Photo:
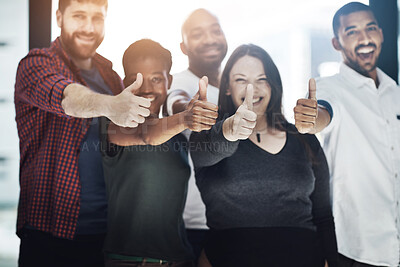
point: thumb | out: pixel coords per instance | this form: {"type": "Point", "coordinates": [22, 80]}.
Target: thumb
{"type": "Point", "coordinates": [312, 89]}
{"type": "Point", "coordinates": [248, 100]}
{"type": "Point", "coordinates": [203, 88]}
{"type": "Point", "coordinates": [137, 84]}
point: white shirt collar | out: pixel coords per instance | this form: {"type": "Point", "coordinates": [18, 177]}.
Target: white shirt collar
{"type": "Point", "coordinates": [359, 81]}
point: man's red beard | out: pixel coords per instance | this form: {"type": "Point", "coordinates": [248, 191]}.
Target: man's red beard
{"type": "Point", "coordinates": [80, 51]}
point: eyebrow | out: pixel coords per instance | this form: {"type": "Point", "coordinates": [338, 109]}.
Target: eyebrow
{"type": "Point", "coordinates": [84, 13]}
{"type": "Point", "coordinates": [201, 28]}
{"type": "Point", "coordinates": [353, 27]}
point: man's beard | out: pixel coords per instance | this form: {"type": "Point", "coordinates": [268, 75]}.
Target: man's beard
{"type": "Point", "coordinates": [363, 70]}
{"type": "Point", "coordinates": [76, 51]}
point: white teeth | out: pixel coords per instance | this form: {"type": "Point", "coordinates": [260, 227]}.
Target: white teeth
{"type": "Point", "coordinates": [365, 50]}
{"type": "Point", "coordinates": [151, 98]}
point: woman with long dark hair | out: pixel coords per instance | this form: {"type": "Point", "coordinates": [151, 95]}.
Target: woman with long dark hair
{"type": "Point", "coordinates": [265, 186]}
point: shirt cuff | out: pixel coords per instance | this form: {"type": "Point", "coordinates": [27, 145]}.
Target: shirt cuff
{"type": "Point", "coordinates": [327, 106]}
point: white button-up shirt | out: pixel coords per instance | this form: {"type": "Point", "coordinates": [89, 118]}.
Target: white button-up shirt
{"type": "Point", "coordinates": [362, 146]}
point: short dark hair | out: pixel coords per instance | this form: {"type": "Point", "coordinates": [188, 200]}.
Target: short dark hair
{"type": "Point", "coordinates": [348, 9]}
{"type": "Point", "coordinates": [275, 117]}
{"type": "Point", "coordinates": [62, 4]}
{"type": "Point", "coordinates": [147, 48]}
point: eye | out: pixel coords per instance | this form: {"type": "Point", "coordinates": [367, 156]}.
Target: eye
{"type": "Point", "coordinates": [217, 32]}
{"type": "Point", "coordinates": [98, 19]}
{"type": "Point", "coordinates": [196, 35]}
{"type": "Point", "coordinates": [156, 80]}
{"type": "Point", "coordinates": [262, 81]}
{"type": "Point", "coordinates": [351, 33]}
{"type": "Point", "coordinates": [372, 28]}
{"type": "Point", "coordinates": [79, 16]}
{"type": "Point", "coordinates": [240, 80]}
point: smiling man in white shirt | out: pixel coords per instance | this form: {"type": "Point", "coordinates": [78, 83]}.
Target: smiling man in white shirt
{"type": "Point", "coordinates": [358, 116]}
{"type": "Point", "coordinates": [204, 43]}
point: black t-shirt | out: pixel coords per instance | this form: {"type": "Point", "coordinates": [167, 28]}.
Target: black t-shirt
{"type": "Point", "coordinates": [146, 189]}
{"type": "Point", "coordinates": [93, 206]}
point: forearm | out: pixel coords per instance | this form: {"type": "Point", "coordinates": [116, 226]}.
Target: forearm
{"type": "Point", "coordinates": [152, 132]}
{"type": "Point", "coordinates": [322, 120]}
{"type": "Point", "coordinates": [81, 102]}
{"type": "Point", "coordinates": [158, 131]}
{"type": "Point", "coordinates": [210, 147]}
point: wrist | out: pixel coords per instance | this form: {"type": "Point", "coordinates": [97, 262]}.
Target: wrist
{"type": "Point", "coordinates": [183, 117]}
{"type": "Point", "coordinates": [227, 129]}
{"type": "Point", "coordinates": [104, 104]}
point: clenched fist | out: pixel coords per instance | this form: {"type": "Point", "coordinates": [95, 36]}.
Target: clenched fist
{"type": "Point", "coordinates": [200, 114]}
{"type": "Point", "coordinates": [306, 110]}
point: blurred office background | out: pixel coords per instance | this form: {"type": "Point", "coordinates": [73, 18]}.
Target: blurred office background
{"type": "Point", "coordinates": [297, 34]}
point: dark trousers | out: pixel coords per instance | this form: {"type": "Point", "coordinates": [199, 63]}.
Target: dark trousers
{"type": "Point", "coordinates": [38, 248]}
{"type": "Point", "coordinates": [123, 263]}
{"type": "Point", "coordinates": [347, 262]}
{"type": "Point", "coordinates": [196, 238]}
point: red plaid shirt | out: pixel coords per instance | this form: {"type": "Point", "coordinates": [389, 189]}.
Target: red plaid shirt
{"type": "Point", "coordinates": [50, 140]}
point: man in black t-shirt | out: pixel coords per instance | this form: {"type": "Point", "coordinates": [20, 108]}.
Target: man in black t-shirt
{"type": "Point", "coordinates": [146, 168]}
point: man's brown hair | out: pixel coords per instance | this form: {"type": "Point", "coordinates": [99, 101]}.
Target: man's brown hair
{"type": "Point", "coordinates": [62, 4]}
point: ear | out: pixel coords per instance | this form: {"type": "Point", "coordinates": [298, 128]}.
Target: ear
{"type": "Point", "coordinates": [59, 18]}
{"type": "Point", "coordinates": [183, 48]}
{"type": "Point", "coordinates": [380, 31]}
{"type": "Point", "coordinates": [228, 91]}
{"type": "Point", "coordinates": [170, 78]}
{"type": "Point", "coordinates": [336, 44]}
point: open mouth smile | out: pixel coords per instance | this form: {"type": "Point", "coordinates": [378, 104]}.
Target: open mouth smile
{"type": "Point", "coordinates": [256, 100]}
{"type": "Point", "coordinates": [365, 52]}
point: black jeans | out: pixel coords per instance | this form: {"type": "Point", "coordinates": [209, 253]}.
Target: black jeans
{"type": "Point", "coordinates": [347, 262]}
{"type": "Point", "coordinates": [196, 238]}
{"type": "Point", "coordinates": [38, 248]}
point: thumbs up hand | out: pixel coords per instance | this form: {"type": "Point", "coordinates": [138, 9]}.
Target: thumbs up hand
{"type": "Point", "coordinates": [200, 114]}
{"type": "Point", "coordinates": [240, 125]}
{"type": "Point", "coordinates": [306, 110]}
{"type": "Point", "coordinates": [127, 109]}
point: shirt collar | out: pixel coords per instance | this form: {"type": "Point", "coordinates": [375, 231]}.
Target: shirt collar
{"type": "Point", "coordinates": [359, 81]}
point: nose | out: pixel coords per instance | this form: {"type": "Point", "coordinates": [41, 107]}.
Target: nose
{"type": "Point", "coordinates": [146, 87]}
{"type": "Point", "coordinates": [364, 38]}
{"type": "Point", "coordinates": [209, 38]}
{"type": "Point", "coordinates": [88, 27]}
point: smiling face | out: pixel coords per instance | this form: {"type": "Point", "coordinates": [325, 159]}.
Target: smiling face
{"type": "Point", "coordinates": [82, 28]}
{"type": "Point", "coordinates": [156, 80]}
{"type": "Point", "coordinates": [247, 70]}
{"type": "Point", "coordinates": [203, 40]}
{"type": "Point", "coordinates": [360, 40]}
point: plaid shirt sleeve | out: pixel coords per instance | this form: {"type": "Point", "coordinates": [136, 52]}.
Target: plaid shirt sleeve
{"type": "Point", "coordinates": [40, 82]}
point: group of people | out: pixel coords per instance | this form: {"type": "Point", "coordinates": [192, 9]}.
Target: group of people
{"type": "Point", "coordinates": [202, 168]}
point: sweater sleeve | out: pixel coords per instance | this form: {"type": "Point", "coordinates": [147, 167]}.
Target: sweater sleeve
{"type": "Point", "coordinates": [322, 212]}
{"type": "Point", "coordinates": [207, 148]}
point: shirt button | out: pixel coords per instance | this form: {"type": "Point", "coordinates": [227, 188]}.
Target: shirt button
{"type": "Point", "coordinates": [395, 175]}
{"type": "Point", "coordinates": [392, 148]}
{"type": "Point", "coordinates": [387, 121]}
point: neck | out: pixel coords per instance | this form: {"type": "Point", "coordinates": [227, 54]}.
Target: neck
{"type": "Point", "coordinates": [369, 74]}
{"type": "Point", "coordinates": [261, 125]}
{"type": "Point", "coordinates": [211, 73]}
{"type": "Point", "coordinates": [374, 76]}
{"type": "Point", "coordinates": [83, 64]}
